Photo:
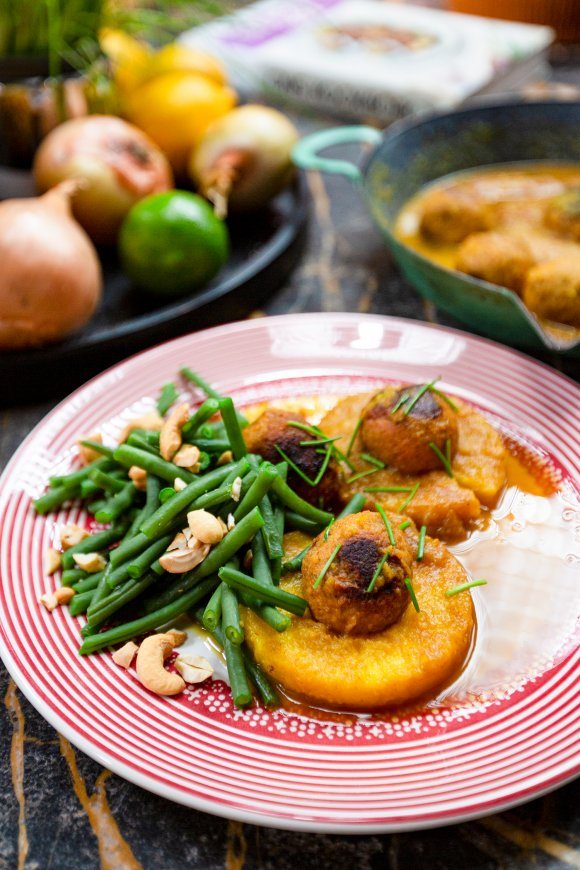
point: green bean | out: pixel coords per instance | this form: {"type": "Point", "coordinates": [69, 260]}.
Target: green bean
{"type": "Point", "coordinates": [294, 503]}
{"type": "Point", "coordinates": [151, 495]}
{"type": "Point", "coordinates": [212, 445]}
{"type": "Point", "coordinates": [71, 576]}
{"type": "Point", "coordinates": [240, 688]}
{"type": "Point", "coordinates": [142, 562]}
{"type": "Point", "coordinates": [256, 492]}
{"type": "Point", "coordinates": [76, 477]}
{"type": "Point", "coordinates": [89, 489]}
{"type": "Point", "coordinates": [168, 396]}
{"type": "Point", "coordinates": [269, 595]}
{"type": "Point", "coordinates": [107, 481]}
{"type": "Point", "coordinates": [203, 413]}
{"type": "Point", "coordinates": [295, 564]}
{"type": "Point", "coordinates": [354, 506]}
{"type": "Point", "coordinates": [118, 599]}
{"type": "Point", "coordinates": [213, 609]}
{"type": "Point", "coordinates": [102, 589]}
{"type": "Point", "coordinates": [196, 379]}
{"type": "Point", "coordinates": [270, 534]}
{"type": "Point", "coordinates": [166, 493]}
{"type": "Point", "coordinates": [80, 602]}
{"type": "Point", "coordinates": [117, 504]}
{"type": "Point", "coordinates": [261, 569]}
{"type": "Point", "coordinates": [159, 522]}
{"type": "Point", "coordinates": [231, 625]}
{"type": "Point", "coordinates": [95, 506]}
{"type": "Point", "coordinates": [151, 621]}
{"type": "Point", "coordinates": [141, 443]}
{"type": "Point", "coordinates": [129, 548]}
{"type": "Point", "coordinates": [91, 581]}
{"type": "Point", "coordinates": [271, 615]}
{"type": "Point", "coordinates": [127, 455]}
{"type": "Point", "coordinates": [94, 543]}
{"type": "Point", "coordinates": [299, 522]}
{"type": "Point", "coordinates": [234, 432]}
{"type": "Point", "coordinates": [218, 556]}
{"type": "Point", "coordinates": [134, 542]}
{"type": "Point", "coordinates": [98, 448]}
{"type": "Point", "coordinates": [55, 497]}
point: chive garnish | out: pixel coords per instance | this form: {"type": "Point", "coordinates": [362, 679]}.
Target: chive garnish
{"type": "Point", "coordinates": [362, 474]}
{"type": "Point", "coordinates": [368, 457]}
{"type": "Point", "coordinates": [295, 467]}
{"type": "Point", "coordinates": [442, 458]}
{"type": "Point", "coordinates": [409, 586]}
{"type": "Point", "coordinates": [318, 442]}
{"type": "Point", "coordinates": [404, 397]}
{"type": "Point", "coordinates": [328, 528]}
{"type": "Point", "coordinates": [389, 489]}
{"type": "Point", "coordinates": [379, 568]}
{"type": "Point", "coordinates": [306, 427]}
{"type": "Point", "coordinates": [322, 574]}
{"type": "Point", "coordinates": [379, 508]}
{"type": "Point", "coordinates": [420, 392]}
{"type": "Point", "coordinates": [405, 525]}
{"type": "Point", "coordinates": [355, 432]}
{"type": "Point", "coordinates": [445, 398]}
{"type": "Point", "coordinates": [409, 498]}
{"type": "Point", "coordinates": [464, 587]}
{"type": "Point", "coordinates": [421, 543]}
{"type": "Point", "coordinates": [342, 458]}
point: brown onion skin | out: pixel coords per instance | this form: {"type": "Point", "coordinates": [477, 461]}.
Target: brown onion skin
{"type": "Point", "coordinates": [50, 280]}
{"type": "Point", "coordinates": [118, 164]}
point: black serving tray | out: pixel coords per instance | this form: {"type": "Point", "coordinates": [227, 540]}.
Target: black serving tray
{"type": "Point", "coordinates": [265, 247]}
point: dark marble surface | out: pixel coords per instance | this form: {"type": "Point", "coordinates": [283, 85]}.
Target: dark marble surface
{"type": "Point", "coordinates": [61, 811]}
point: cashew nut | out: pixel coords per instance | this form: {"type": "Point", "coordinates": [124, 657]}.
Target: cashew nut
{"type": "Point", "coordinates": [125, 654]}
{"type": "Point", "coordinates": [150, 670]}
{"type": "Point", "coordinates": [90, 562]}
{"type": "Point", "coordinates": [193, 669]}
{"type": "Point", "coordinates": [179, 637]}
{"type": "Point", "coordinates": [48, 600]}
{"type": "Point", "coordinates": [170, 437]}
{"type": "Point", "coordinates": [139, 477]}
{"type": "Point", "coordinates": [179, 484]}
{"type": "Point", "coordinates": [205, 527]}
{"type": "Point", "coordinates": [150, 420]}
{"type": "Point", "coordinates": [87, 454]}
{"type": "Point", "coordinates": [225, 457]}
{"type": "Point", "coordinates": [179, 561]}
{"type": "Point", "coordinates": [237, 489]}
{"type": "Point", "coordinates": [71, 535]}
{"type": "Point", "coordinates": [52, 560]}
{"type": "Point", "coordinates": [64, 595]}
{"type": "Point", "coordinates": [188, 457]}
{"type": "Point", "coordinates": [231, 522]}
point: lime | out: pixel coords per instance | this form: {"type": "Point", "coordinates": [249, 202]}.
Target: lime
{"type": "Point", "coordinates": [172, 243]}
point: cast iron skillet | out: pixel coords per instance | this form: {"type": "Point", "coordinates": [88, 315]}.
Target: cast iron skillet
{"type": "Point", "coordinates": [417, 151]}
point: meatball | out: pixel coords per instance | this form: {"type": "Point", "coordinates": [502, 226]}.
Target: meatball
{"type": "Point", "coordinates": [401, 437]}
{"type": "Point", "coordinates": [552, 290]}
{"type": "Point", "coordinates": [271, 431]}
{"type": "Point", "coordinates": [449, 216]}
{"type": "Point", "coordinates": [499, 259]}
{"type": "Point", "coordinates": [341, 600]}
{"type": "Point", "coordinates": [563, 214]}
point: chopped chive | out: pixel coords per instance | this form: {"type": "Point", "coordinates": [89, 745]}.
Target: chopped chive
{"type": "Point", "coordinates": [379, 508]}
{"type": "Point", "coordinates": [420, 392]}
{"type": "Point", "coordinates": [322, 574]}
{"type": "Point", "coordinates": [389, 489]}
{"type": "Point", "coordinates": [404, 397]}
{"type": "Point", "coordinates": [323, 467]}
{"type": "Point", "coordinates": [445, 398]}
{"type": "Point", "coordinates": [405, 525]}
{"type": "Point", "coordinates": [421, 543]}
{"type": "Point", "coordinates": [328, 528]}
{"type": "Point", "coordinates": [448, 450]}
{"type": "Point", "coordinates": [318, 442]}
{"type": "Point", "coordinates": [464, 587]}
{"type": "Point", "coordinates": [341, 457]}
{"type": "Point", "coordinates": [368, 457]}
{"type": "Point", "coordinates": [355, 432]}
{"type": "Point", "coordinates": [379, 568]}
{"type": "Point", "coordinates": [360, 474]}
{"type": "Point", "coordinates": [409, 586]}
{"type": "Point", "coordinates": [442, 458]}
{"type": "Point", "coordinates": [294, 467]}
{"type": "Point", "coordinates": [409, 498]}
{"type": "Point", "coordinates": [306, 427]}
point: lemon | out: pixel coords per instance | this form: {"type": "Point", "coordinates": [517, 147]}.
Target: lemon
{"type": "Point", "coordinates": [130, 58]}
{"type": "Point", "coordinates": [175, 109]}
{"type": "Point", "coordinates": [178, 58]}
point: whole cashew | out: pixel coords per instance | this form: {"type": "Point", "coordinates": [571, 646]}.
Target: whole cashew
{"type": "Point", "coordinates": [150, 670]}
{"type": "Point", "coordinates": [170, 435]}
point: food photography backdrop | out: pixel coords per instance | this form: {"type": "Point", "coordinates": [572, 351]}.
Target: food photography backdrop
{"type": "Point", "coordinates": [311, 247]}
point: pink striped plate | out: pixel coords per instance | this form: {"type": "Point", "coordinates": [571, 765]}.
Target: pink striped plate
{"type": "Point", "coordinates": [505, 732]}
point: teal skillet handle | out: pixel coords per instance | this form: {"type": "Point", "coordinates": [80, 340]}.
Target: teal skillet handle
{"type": "Point", "coordinates": [305, 153]}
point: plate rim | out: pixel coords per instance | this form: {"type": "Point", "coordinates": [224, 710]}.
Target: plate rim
{"type": "Point", "coordinates": [203, 804]}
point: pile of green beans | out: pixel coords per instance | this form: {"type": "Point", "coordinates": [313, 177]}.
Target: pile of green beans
{"type": "Point", "coordinates": [133, 594]}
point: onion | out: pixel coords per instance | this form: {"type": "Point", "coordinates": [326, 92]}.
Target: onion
{"type": "Point", "coordinates": [244, 158]}
{"type": "Point", "coordinates": [118, 163]}
{"type": "Point", "coordinates": [50, 280]}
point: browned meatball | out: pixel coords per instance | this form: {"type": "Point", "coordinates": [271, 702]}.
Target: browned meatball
{"type": "Point", "coordinates": [497, 258]}
{"type": "Point", "coordinates": [552, 290]}
{"type": "Point", "coordinates": [271, 431]}
{"type": "Point", "coordinates": [399, 432]}
{"type": "Point", "coordinates": [341, 600]}
{"type": "Point", "coordinates": [563, 214]}
{"type": "Point", "coordinates": [449, 216]}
